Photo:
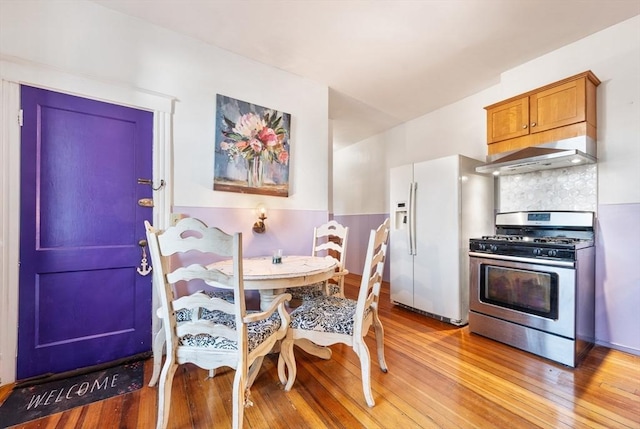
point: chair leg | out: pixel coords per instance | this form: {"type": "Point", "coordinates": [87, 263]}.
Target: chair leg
{"type": "Point", "coordinates": [365, 367]}
{"type": "Point", "coordinates": [240, 391]}
{"type": "Point", "coordinates": [253, 370]}
{"type": "Point", "coordinates": [379, 331]}
{"type": "Point", "coordinates": [282, 368]}
{"type": "Point", "coordinates": [287, 358]}
{"type": "Point", "coordinates": [158, 346]}
{"type": "Point", "coordinates": [164, 392]}
{"type": "Point", "coordinates": [341, 286]}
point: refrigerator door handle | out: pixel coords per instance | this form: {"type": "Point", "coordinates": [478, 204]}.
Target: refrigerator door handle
{"type": "Point", "coordinates": [408, 229]}
{"type": "Point", "coordinates": [412, 218]}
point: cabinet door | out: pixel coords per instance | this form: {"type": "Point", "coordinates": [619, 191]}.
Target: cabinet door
{"type": "Point", "coordinates": [508, 120]}
{"type": "Point", "coordinates": [558, 106]}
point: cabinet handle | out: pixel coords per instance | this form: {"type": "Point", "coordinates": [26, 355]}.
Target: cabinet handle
{"type": "Point", "coordinates": [533, 124]}
{"type": "Point", "coordinates": [524, 127]}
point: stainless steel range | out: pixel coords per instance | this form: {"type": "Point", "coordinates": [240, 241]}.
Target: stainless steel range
{"type": "Point", "coordinates": [532, 284]}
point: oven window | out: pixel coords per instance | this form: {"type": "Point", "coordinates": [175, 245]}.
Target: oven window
{"type": "Point", "coordinates": [533, 292]}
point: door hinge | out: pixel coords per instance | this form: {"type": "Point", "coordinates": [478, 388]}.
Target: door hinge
{"type": "Point", "coordinates": [20, 117]}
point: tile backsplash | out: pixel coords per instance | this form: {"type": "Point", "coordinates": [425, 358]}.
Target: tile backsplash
{"type": "Point", "coordinates": [572, 188]}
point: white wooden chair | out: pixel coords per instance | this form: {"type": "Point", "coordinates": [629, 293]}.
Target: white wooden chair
{"type": "Point", "coordinates": [328, 320]}
{"type": "Point", "coordinates": [160, 338]}
{"type": "Point", "coordinates": [329, 239]}
{"type": "Point", "coordinates": [209, 332]}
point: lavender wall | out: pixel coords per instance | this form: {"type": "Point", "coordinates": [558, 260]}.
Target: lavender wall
{"type": "Point", "coordinates": [289, 230]}
{"type": "Point", "coordinates": [618, 276]}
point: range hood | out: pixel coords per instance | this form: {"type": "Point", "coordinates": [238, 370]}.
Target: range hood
{"type": "Point", "coordinates": [565, 153]}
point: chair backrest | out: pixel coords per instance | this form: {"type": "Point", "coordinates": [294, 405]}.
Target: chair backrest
{"type": "Point", "coordinates": [193, 235]}
{"type": "Point", "coordinates": [369, 293]}
{"type": "Point", "coordinates": [330, 239]}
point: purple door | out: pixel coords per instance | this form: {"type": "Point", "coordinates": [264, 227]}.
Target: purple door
{"type": "Point", "coordinates": [81, 300]}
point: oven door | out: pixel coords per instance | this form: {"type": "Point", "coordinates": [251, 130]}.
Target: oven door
{"type": "Point", "coordinates": [530, 292]}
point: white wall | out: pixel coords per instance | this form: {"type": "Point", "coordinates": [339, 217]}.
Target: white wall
{"type": "Point", "coordinates": [82, 48]}
{"type": "Point", "coordinates": [360, 177]}
{"type": "Point", "coordinates": [87, 39]}
{"type": "Point", "coordinates": [614, 56]}
{"type": "Point", "coordinates": [457, 128]}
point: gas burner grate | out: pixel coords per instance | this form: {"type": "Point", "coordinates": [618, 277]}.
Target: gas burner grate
{"type": "Point", "coordinates": [557, 240]}
{"type": "Point", "coordinates": [503, 237]}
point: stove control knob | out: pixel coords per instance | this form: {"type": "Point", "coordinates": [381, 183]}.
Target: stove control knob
{"type": "Point", "coordinates": [552, 252]}
{"type": "Point", "coordinates": [482, 246]}
{"type": "Point", "coordinates": [537, 252]}
{"type": "Point", "coordinates": [493, 248]}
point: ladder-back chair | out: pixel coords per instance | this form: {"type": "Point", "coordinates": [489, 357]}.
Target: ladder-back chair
{"type": "Point", "coordinates": [329, 239]}
{"type": "Point", "coordinates": [327, 320]}
{"type": "Point", "coordinates": [209, 332]}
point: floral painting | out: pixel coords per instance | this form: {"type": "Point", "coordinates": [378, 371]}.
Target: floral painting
{"type": "Point", "coordinates": [251, 148]}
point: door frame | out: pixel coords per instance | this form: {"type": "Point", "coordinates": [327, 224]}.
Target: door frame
{"type": "Point", "coordinates": [13, 73]}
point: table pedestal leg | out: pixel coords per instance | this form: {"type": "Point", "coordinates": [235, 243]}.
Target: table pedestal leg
{"type": "Point", "coordinates": [267, 296]}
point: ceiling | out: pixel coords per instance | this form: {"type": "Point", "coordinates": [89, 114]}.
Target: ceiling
{"type": "Point", "coordinates": [385, 61]}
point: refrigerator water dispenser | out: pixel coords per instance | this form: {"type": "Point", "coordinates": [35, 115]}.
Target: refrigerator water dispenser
{"type": "Point", "coordinates": [400, 218]}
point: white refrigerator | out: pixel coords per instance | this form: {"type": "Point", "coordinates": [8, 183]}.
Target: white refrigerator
{"type": "Point", "coordinates": [436, 207]}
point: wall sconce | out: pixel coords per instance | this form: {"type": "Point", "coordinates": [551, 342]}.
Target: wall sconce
{"type": "Point", "coordinates": [259, 226]}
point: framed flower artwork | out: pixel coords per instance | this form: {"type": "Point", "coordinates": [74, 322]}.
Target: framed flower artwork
{"type": "Point", "coordinates": [251, 148]}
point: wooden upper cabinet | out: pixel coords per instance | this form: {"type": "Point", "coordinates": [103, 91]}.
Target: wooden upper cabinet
{"type": "Point", "coordinates": [558, 106]}
{"type": "Point", "coordinates": [557, 111]}
{"type": "Point", "coordinates": [508, 120]}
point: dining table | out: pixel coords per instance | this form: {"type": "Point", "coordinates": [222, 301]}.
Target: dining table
{"type": "Point", "coordinates": [271, 279]}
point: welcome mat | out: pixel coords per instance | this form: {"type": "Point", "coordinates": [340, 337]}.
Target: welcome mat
{"type": "Point", "coordinates": [34, 402]}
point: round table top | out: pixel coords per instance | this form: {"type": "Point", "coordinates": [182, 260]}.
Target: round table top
{"type": "Point", "coordinates": [293, 271]}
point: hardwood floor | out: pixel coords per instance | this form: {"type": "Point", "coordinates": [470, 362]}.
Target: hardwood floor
{"type": "Point", "coordinates": [439, 377]}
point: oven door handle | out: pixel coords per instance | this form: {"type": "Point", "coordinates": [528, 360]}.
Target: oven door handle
{"type": "Point", "coordinates": [569, 264]}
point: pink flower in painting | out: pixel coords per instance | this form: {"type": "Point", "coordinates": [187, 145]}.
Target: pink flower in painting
{"type": "Point", "coordinates": [254, 136]}
{"type": "Point", "coordinates": [256, 145]}
{"type": "Point", "coordinates": [283, 157]}
{"type": "Point", "coordinates": [268, 136]}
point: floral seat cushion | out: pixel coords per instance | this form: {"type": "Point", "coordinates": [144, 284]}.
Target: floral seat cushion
{"type": "Point", "coordinates": [304, 293]}
{"type": "Point", "coordinates": [184, 314]}
{"type": "Point", "coordinates": [334, 289]}
{"type": "Point", "coordinates": [326, 314]}
{"type": "Point", "coordinates": [227, 295]}
{"type": "Point", "coordinates": [257, 332]}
